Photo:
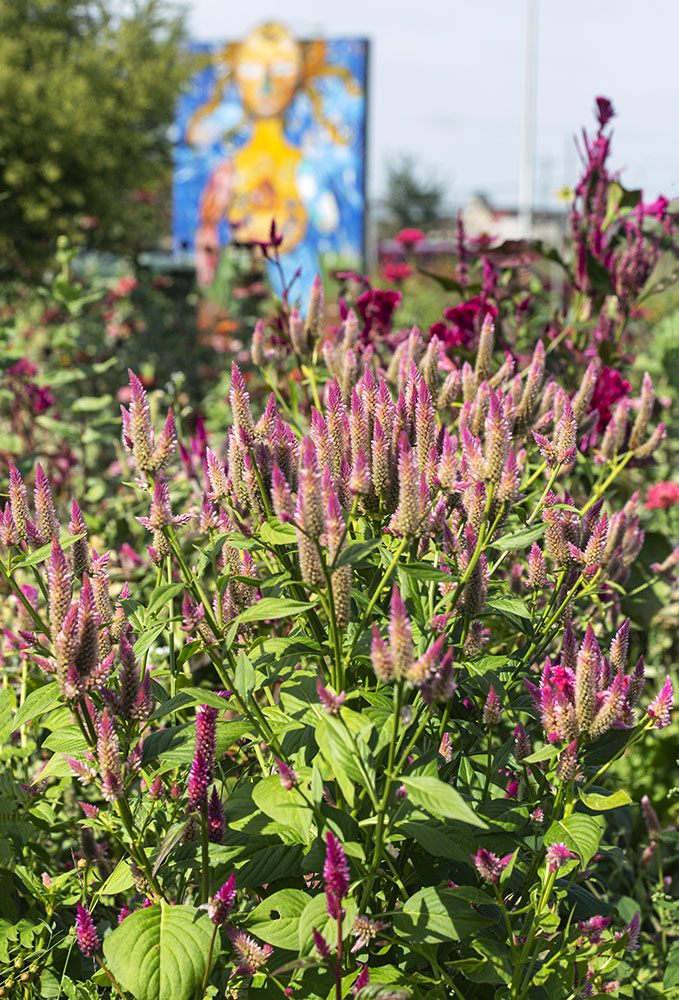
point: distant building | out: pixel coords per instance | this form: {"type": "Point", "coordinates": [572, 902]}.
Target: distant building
{"type": "Point", "coordinates": [500, 224]}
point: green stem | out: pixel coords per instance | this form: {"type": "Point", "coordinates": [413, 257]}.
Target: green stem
{"type": "Point", "coordinates": [203, 985]}
{"type": "Point", "coordinates": [376, 594]}
{"type": "Point", "coordinates": [204, 853]}
{"type": "Point", "coordinates": [389, 779]}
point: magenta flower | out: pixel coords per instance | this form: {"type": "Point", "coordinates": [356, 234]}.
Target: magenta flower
{"type": "Point", "coordinates": [330, 702]}
{"type": "Point", "coordinates": [85, 933]}
{"type": "Point", "coordinates": [199, 781]}
{"type": "Point", "coordinates": [221, 904]}
{"type": "Point", "coordinates": [660, 708]}
{"type": "Point", "coordinates": [206, 722]}
{"type": "Point", "coordinates": [215, 819]}
{"type": "Point", "coordinates": [489, 866]}
{"type": "Point", "coordinates": [335, 875]}
{"type": "Point", "coordinates": [604, 111]}
{"type": "Point", "coordinates": [557, 855]}
{"type": "Point", "coordinates": [289, 778]}
{"type": "Point", "coordinates": [492, 710]}
{"type": "Point", "coordinates": [593, 928]}
{"type": "Point", "coordinates": [322, 946]}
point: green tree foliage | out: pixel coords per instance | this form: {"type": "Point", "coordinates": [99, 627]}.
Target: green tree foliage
{"type": "Point", "coordinates": [412, 200]}
{"type": "Point", "coordinates": [87, 95]}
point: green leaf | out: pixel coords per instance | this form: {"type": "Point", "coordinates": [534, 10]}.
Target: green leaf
{"type": "Point", "coordinates": [439, 839]}
{"type": "Point", "coordinates": [268, 609]}
{"type": "Point", "coordinates": [68, 740]}
{"type": "Point", "coordinates": [45, 551]}
{"type": "Point", "coordinates": [147, 639]}
{"type": "Point", "coordinates": [671, 978]}
{"type": "Point", "coordinates": [441, 799]}
{"type": "Point", "coordinates": [436, 916]}
{"type": "Point", "coordinates": [91, 404]}
{"type": "Point", "coordinates": [163, 595]}
{"type": "Point", "coordinates": [579, 832]}
{"type": "Point", "coordinates": [244, 677]}
{"type": "Point", "coordinates": [355, 552]}
{"type": "Point", "coordinates": [601, 801]}
{"type": "Point", "coordinates": [161, 952]}
{"type": "Point", "coordinates": [119, 880]}
{"type": "Point", "coordinates": [276, 919]}
{"type": "Point", "coordinates": [272, 532]}
{"type": "Point", "coordinates": [619, 197]}
{"type": "Point", "coordinates": [36, 703]}
{"type": "Point", "coordinates": [521, 540]}
{"type": "Point", "coordinates": [316, 915]}
{"type": "Point", "coordinates": [508, 605]}
{"type": "Point", "coordinates": [269, 863]}
{"type": "Point", "coordinates": [285, 806]}
{"type": "Point", "coordinates": [6, 725]}
{"type": "Point", "coordinates": [426, 572]}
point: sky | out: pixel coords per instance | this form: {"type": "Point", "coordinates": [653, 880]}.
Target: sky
{"type": "Point", "coordinates": [447, 84]}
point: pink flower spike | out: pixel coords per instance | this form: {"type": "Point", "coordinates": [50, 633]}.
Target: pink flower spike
{"type": "Point", "coordinates": [330, 702]}
{"type": "Point", "coordinates": [322, 946]}
{"type": "Point", "coordinates": [335, 875]}
{"type": "Point", "coordinates": [492, 710]}
{"type": "Point", "coordinates": [289, 778]}
{"type": "Point", "coordinates": [85, 933]}
{"type": "Point", "coordinates": [221, 904]}
{"type": "Point", "coordinates": [250, 955]}
{"type": "Point", "coordinates": [489, 865]}
{"type": "Point", "coordinates": [661, 707]}
{"type": "Point", "coordinates": [557, 855]}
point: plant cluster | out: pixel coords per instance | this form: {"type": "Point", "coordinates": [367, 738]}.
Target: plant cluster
{"type": "Point", "coordinates": [341, 704]}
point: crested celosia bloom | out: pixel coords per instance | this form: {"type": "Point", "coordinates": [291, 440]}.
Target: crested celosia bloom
{"type": "Point", "coordinates": [489, 866]}
{"type": "Point", "coordinates": [85, 933]}
{"type": "Point", "coordinates": [221, 904]}
{"type": "Point", "coordinates": [557, 855]}
{"type": "Point", "coordinates": [335, 875]}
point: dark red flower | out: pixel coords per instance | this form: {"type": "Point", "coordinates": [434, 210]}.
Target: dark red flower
{"type": "Point", "coordinates": [604, 111]}
{"type": "Point", "coordinates": [610, 387]}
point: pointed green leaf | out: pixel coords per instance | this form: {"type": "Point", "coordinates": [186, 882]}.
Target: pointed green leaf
{"type": "Point", "coordinates": [161, 952]}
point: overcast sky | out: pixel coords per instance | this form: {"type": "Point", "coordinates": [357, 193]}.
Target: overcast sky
{"type": "Point", "coordinates": [447, 83]}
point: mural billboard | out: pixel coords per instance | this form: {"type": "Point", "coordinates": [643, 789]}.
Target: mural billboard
{"type": "Point", "coordinates": [273, 128]}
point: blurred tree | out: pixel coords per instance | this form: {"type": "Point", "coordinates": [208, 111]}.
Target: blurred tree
{"type": "Point", "coordinates": [411, 200]}
{"type": "Point", "coordinates": [87, 96]}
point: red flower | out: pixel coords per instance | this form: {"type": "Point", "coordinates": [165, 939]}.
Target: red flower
{"type": "Point", "coordinates": [662, 495]}
{"type": "Point", "coordinates": [397, 271]}
{"type": "Point", "coordinates": [408, 237]}
{"type": "Point", "coordinates": [604, 110]}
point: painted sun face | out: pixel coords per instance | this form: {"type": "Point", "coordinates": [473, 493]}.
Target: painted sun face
{"type": "Point", "coordinates": [268, 70]}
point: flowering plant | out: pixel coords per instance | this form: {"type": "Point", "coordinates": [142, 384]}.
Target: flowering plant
{"type": "Point", "coordinates": [347, 733]}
